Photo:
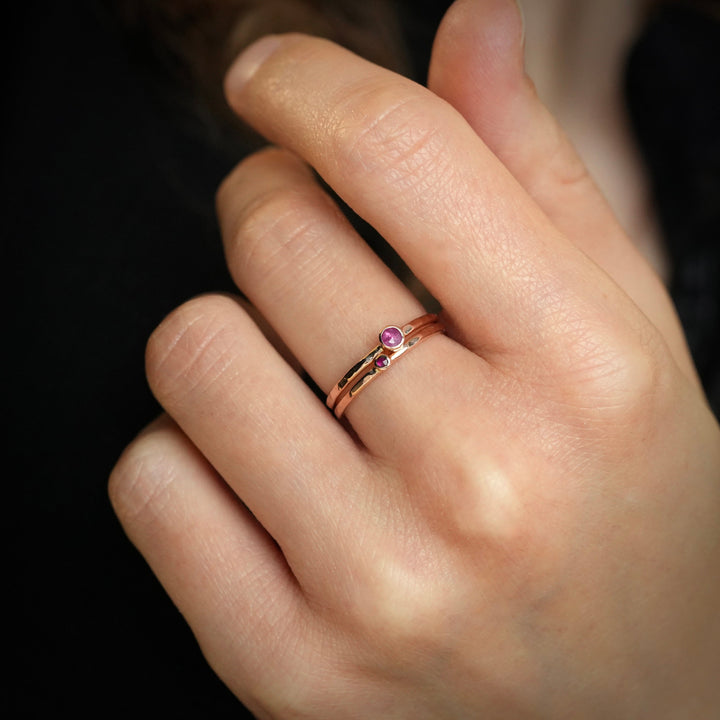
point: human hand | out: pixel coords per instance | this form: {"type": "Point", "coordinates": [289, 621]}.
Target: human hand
{"type": "Point", "coordinates": [525, 520]}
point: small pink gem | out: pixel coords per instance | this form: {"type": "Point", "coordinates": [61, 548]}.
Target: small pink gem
{"type": "Point", "coordinates": [382, 361]}
{"type": "Point", "coordinates": [392, 337]}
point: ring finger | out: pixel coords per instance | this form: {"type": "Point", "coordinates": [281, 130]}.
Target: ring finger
{"type": "Point", "coordinates": [296, 257]}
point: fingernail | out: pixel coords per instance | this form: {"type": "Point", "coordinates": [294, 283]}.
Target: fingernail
{"type": "Point", "coordinates": [250, 60]}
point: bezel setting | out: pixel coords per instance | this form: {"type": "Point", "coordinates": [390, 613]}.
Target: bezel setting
{"type": "Point", "coordinates": [392, 338]}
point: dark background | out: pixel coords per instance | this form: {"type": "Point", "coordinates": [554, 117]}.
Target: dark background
{"type": "Point", "coordinates": [108, 176]}
{"type": "Point", "coordinates": [109, 171]}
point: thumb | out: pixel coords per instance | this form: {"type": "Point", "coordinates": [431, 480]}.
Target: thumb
{"type": "Point", "coordinates": [478, 66]}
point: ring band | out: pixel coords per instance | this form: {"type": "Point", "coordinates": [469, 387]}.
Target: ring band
{"type": "Point", "coordinates": [368, 359]}
{"type": "Point", "coordinates": [395, 341]}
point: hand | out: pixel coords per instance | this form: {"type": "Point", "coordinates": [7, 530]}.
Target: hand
{"type": "Point", "coordinates": [522, 518]}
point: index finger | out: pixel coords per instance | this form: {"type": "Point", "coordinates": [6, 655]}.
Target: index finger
{"type": "Point", "coordinates": [408, 163]}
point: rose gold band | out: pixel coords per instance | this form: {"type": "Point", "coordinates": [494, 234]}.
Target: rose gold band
{"type": "Point", "coordinates": [394, 342]}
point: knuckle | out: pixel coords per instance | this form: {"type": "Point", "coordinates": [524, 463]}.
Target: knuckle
{"type": "Point", "coordinates": [244, 175]}
{"type": "Point", "coordinates": [238, 177]}
{"type": "Point", "coordinates": [391, 129]}
{"type": "Point", "coordinates": [275, 231]}
{"type": "Point", "coordinates": [620, 377]}
{"type": "Point", "coordinates": [601, 363]}
{"type": "Point", "coordinates": [482, 503]}
{"type": "Point", "coordinates": [609, 389]}
{"type": "Point", "coordinates": [563, 164]}
{"type": "Point", "coordinates": [556, 163]}
{"type": "Point", "coordinates": [191, 349]}
{"type": "Point", "coordinates": [399, 606]}
{"type": "Point", "coordinates": [473, 496]}
{"type": "Point", "coordinates": [639, 373]}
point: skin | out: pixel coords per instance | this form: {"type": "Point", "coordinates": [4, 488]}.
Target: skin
{"type": "Point", "coordinates": [519, 520]}
{"type": "Point", "coordinates": [575, 52]}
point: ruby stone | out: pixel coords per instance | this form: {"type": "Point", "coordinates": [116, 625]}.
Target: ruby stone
{"type": "Point", "coordinates": [392, 337]}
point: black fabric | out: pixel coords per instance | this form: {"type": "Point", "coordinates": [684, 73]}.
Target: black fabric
{"type": "Point", "coordinates": [108, 177]}
{"type": "Point", "coordinates": [108, 183]}
{"type": "Point", "coordinates": [673, 91]}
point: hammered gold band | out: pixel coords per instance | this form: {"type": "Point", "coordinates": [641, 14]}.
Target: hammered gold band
{"type": "Point", "coordinates": [395, 341]}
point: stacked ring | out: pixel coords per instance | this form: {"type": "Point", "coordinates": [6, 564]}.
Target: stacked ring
{"type": "Point", "coordinates": [394, 342]}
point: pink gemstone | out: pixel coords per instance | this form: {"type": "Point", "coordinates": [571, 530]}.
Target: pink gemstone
{"type": "Point", "coordinates": [391, 337]}
{"type": "Point", "coordinates": [382, 361]}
